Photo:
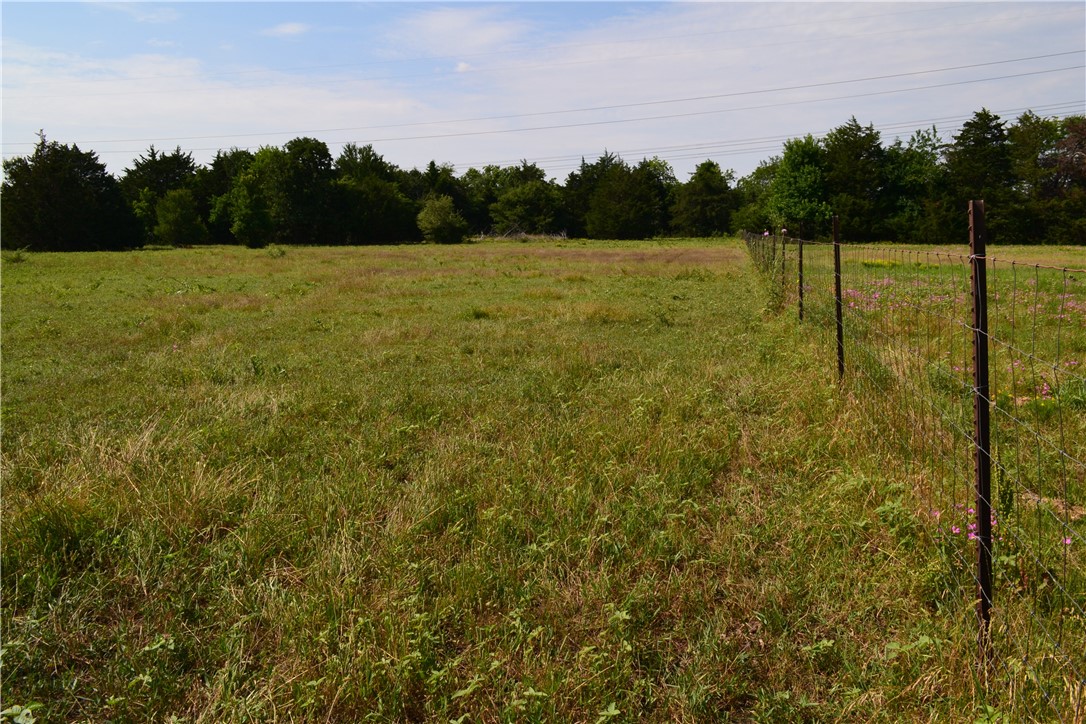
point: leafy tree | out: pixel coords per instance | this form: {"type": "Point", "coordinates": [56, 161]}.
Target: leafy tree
{"type": "Point", "coordinates": [1070, 163]}
{"type": "Point", "coordinates": [211, 188]}
{"type": "Point", "coordinates": [371, 208]}
{"type": "Point", "coordinates": [580, 187]}
{"type": "Point", "coordinates": [435, 180]}
{"type": "Point", "coordinates": [979, 160]}
{"type": "Point", "coordinates": [703, 204]}
{"type": "Point", "coordinates": [1032, 147]}
{"type": "Point", "coordinates": [284, 195]}
{"type": "Point", "coordinates": [978, 166]}
{"type": "Point", "coordinates": [630, 203]}
{"type": "Point", "coordinates": [179, 222]}
{"type": "Point", "coordinates": [151, 176]}
{"type": "Point", "coordinates": [1033, 203]}
{"type": "Point", "coordinates": [613, 213]}
{"type": "Point", "coordinates": [658, 179]}
{"type": "Point", "coordinates": [440, 222]}
{"type": "Point", "coordinates": [364, 162]}
{"type": "Point", "coordinates": [256, 203]}
{"type": "Point", "coordinates": [60, 198]}
{"type": "Point", "coordinates": [160, 172]}
{"type": "Point", "coordinates": [533, 207]}
{"type": "Point", "coordinates": [374, 211]}
{"type": "Point", "coordinates": [1070, 153]}
{"type": "Point", "coordinates": [855, 167]}
{"type": "Point", "coordinates": [483, 188]}
{"type": "Point", "coordinates": [752, 198]}
{"type": "Point", "coordinates": [914, 181]}
{"type": "Point", "coordinates": [797, 195]}
{"type": "Point", "coordinates": [306, 215]}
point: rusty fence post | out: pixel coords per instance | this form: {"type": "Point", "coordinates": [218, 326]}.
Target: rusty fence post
{"type": "Point", "coordinates": [981, 433]}
{"type": "Point", "coordinates": [837, 295]}
{"type": "Point", "coordinates": [799, 264]}
{"type": "Point", "coordinates": [784, 268]}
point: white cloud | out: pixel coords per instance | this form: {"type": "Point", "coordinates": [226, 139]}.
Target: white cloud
{"type": "Point", "coordinates": [144, 12]}
{"type": "Point", "coordinates": [454, 31]}
{"type": "Point", "coordinates": [119, 107]}
{"type": "Point", "coordinates": [502, 63]}
{"type": "Point", "coordinates": [286, 30]}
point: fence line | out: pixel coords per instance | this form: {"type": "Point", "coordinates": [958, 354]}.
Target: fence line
{"type": "Point", "coordinates": [908, 326]}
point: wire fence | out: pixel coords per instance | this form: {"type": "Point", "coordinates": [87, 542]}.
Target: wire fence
{"type": "Point", "coordinates": [1012, 549]}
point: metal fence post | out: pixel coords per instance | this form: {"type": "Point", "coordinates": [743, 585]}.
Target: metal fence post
{"type": "Point", "coordinates": [837, 295]}
{"type": "Point", "coordinates": [799, 262]}
{"type": "Point", "coordinates": [784, 268]}
{"type": "Point", "coordinates": [982, 433]}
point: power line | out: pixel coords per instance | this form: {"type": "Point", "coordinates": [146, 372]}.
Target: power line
{"type": "Point", "coordinates": [592, 109]}
{"type": "Point", "coordinates": [431, 74]}
{"type": "Point", "coordinates": [767, 144]}
{"type": "Point", "coordinates": [509, 51]}
{"type": "Point", "coordinates": [461, 134]}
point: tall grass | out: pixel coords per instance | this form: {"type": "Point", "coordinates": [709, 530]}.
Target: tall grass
{"type": "Point", "coordinates": [908, 337]}
{"type": "Point", "coordinates": [554, 482]}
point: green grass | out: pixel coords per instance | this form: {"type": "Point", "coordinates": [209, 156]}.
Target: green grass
{"type": "Point", "coordinates": [908, 360]}
{"type": "Point", "coordinates": [519, 482]}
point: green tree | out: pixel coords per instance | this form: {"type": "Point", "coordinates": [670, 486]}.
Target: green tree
{"type": "Point", "coordinates": [659, 182]}
{"type": "Point", "coordinates": [1070, 162]}
{"type": "Point", "coordinates": [580, 187]}
{"type": "Point", "coordinates": [978, 166]}
{"type": "Point", "coordinates": [533, 207]}
{"type": "Point", "coordinates": [306, 215]}
{"type": "Point", "coordinates": [160, 172]}
{"type": "Point", "coordinates": [1070, 153]}
{"type": "Point", "coordinates": [797, 195]}
{"type": "Point", "coordinates": [364, 162]}
{"type": "Point", "coordinates": [285, 195]}
{"type": "Point", "coordinates": [151, 176]}
{"type": "Point", "coordinates": [60, 198]}
{"type": "Point", "coordinates": [374, 211]}
{"type": "Point", "coordinates": [1032, 147]}
{"type": "Point", "coordinates": [484, 188]}
{"type": "Point", "coordinates": [371, 208]}
{"type": "Point", "coordinates": [440, 222]}
{"type": "Point", "coordinates": [914, 182]}
{"type": "Point", "coordinates": [211, 188]}
{"type": "Point", "coordinates": [256, 202]}
{"type": "Point", "coordinates": [855, 183]}
{"type": "Point", "coordinates": [179, 222]}
{"type": "Point", "coordinates": [1034, 201]}
{"type": "Point", "coordinates": [703, 204]}
{"type": "Point", "coordinates": [752, 198]}
{"type": "Point", "coordinates": [631, 203]}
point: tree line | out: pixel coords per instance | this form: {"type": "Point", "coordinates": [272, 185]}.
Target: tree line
{"type": "Point", "coordinates": [1032, 174]}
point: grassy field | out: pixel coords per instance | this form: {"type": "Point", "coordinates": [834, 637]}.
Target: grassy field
{"type": "Point", "coordinates": [496, 482]}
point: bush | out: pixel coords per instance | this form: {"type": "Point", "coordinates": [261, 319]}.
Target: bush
{"type": "Point", "coordinates": [440, 222]}
{"type": "Point", "coordinates": [179, 222]}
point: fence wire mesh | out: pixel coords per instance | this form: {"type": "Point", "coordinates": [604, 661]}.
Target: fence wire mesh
{"type": "Point", "coordinates": [908, 351]}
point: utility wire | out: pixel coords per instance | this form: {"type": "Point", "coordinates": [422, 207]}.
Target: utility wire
{"type": "Point", "coordinates": [521, 48]}
{"type": "Point", "coordinates": [1070, 107]}
{"type": "Point", "coordinates": [550, 65]}
{"type": "Point", "coordinates": [619, 106]}
{"type": "Point", "coordinates": [461, 134]}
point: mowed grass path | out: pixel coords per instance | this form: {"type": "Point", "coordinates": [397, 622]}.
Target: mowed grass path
{"type": "Point", "coordinates": [496, 482]}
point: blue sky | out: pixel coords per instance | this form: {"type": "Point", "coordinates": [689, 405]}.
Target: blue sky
{"type": "Point", "coordinates": [478, 83]}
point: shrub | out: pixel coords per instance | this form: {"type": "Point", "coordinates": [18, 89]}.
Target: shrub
{"type": "Point", "coordinates": [440, 222]}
